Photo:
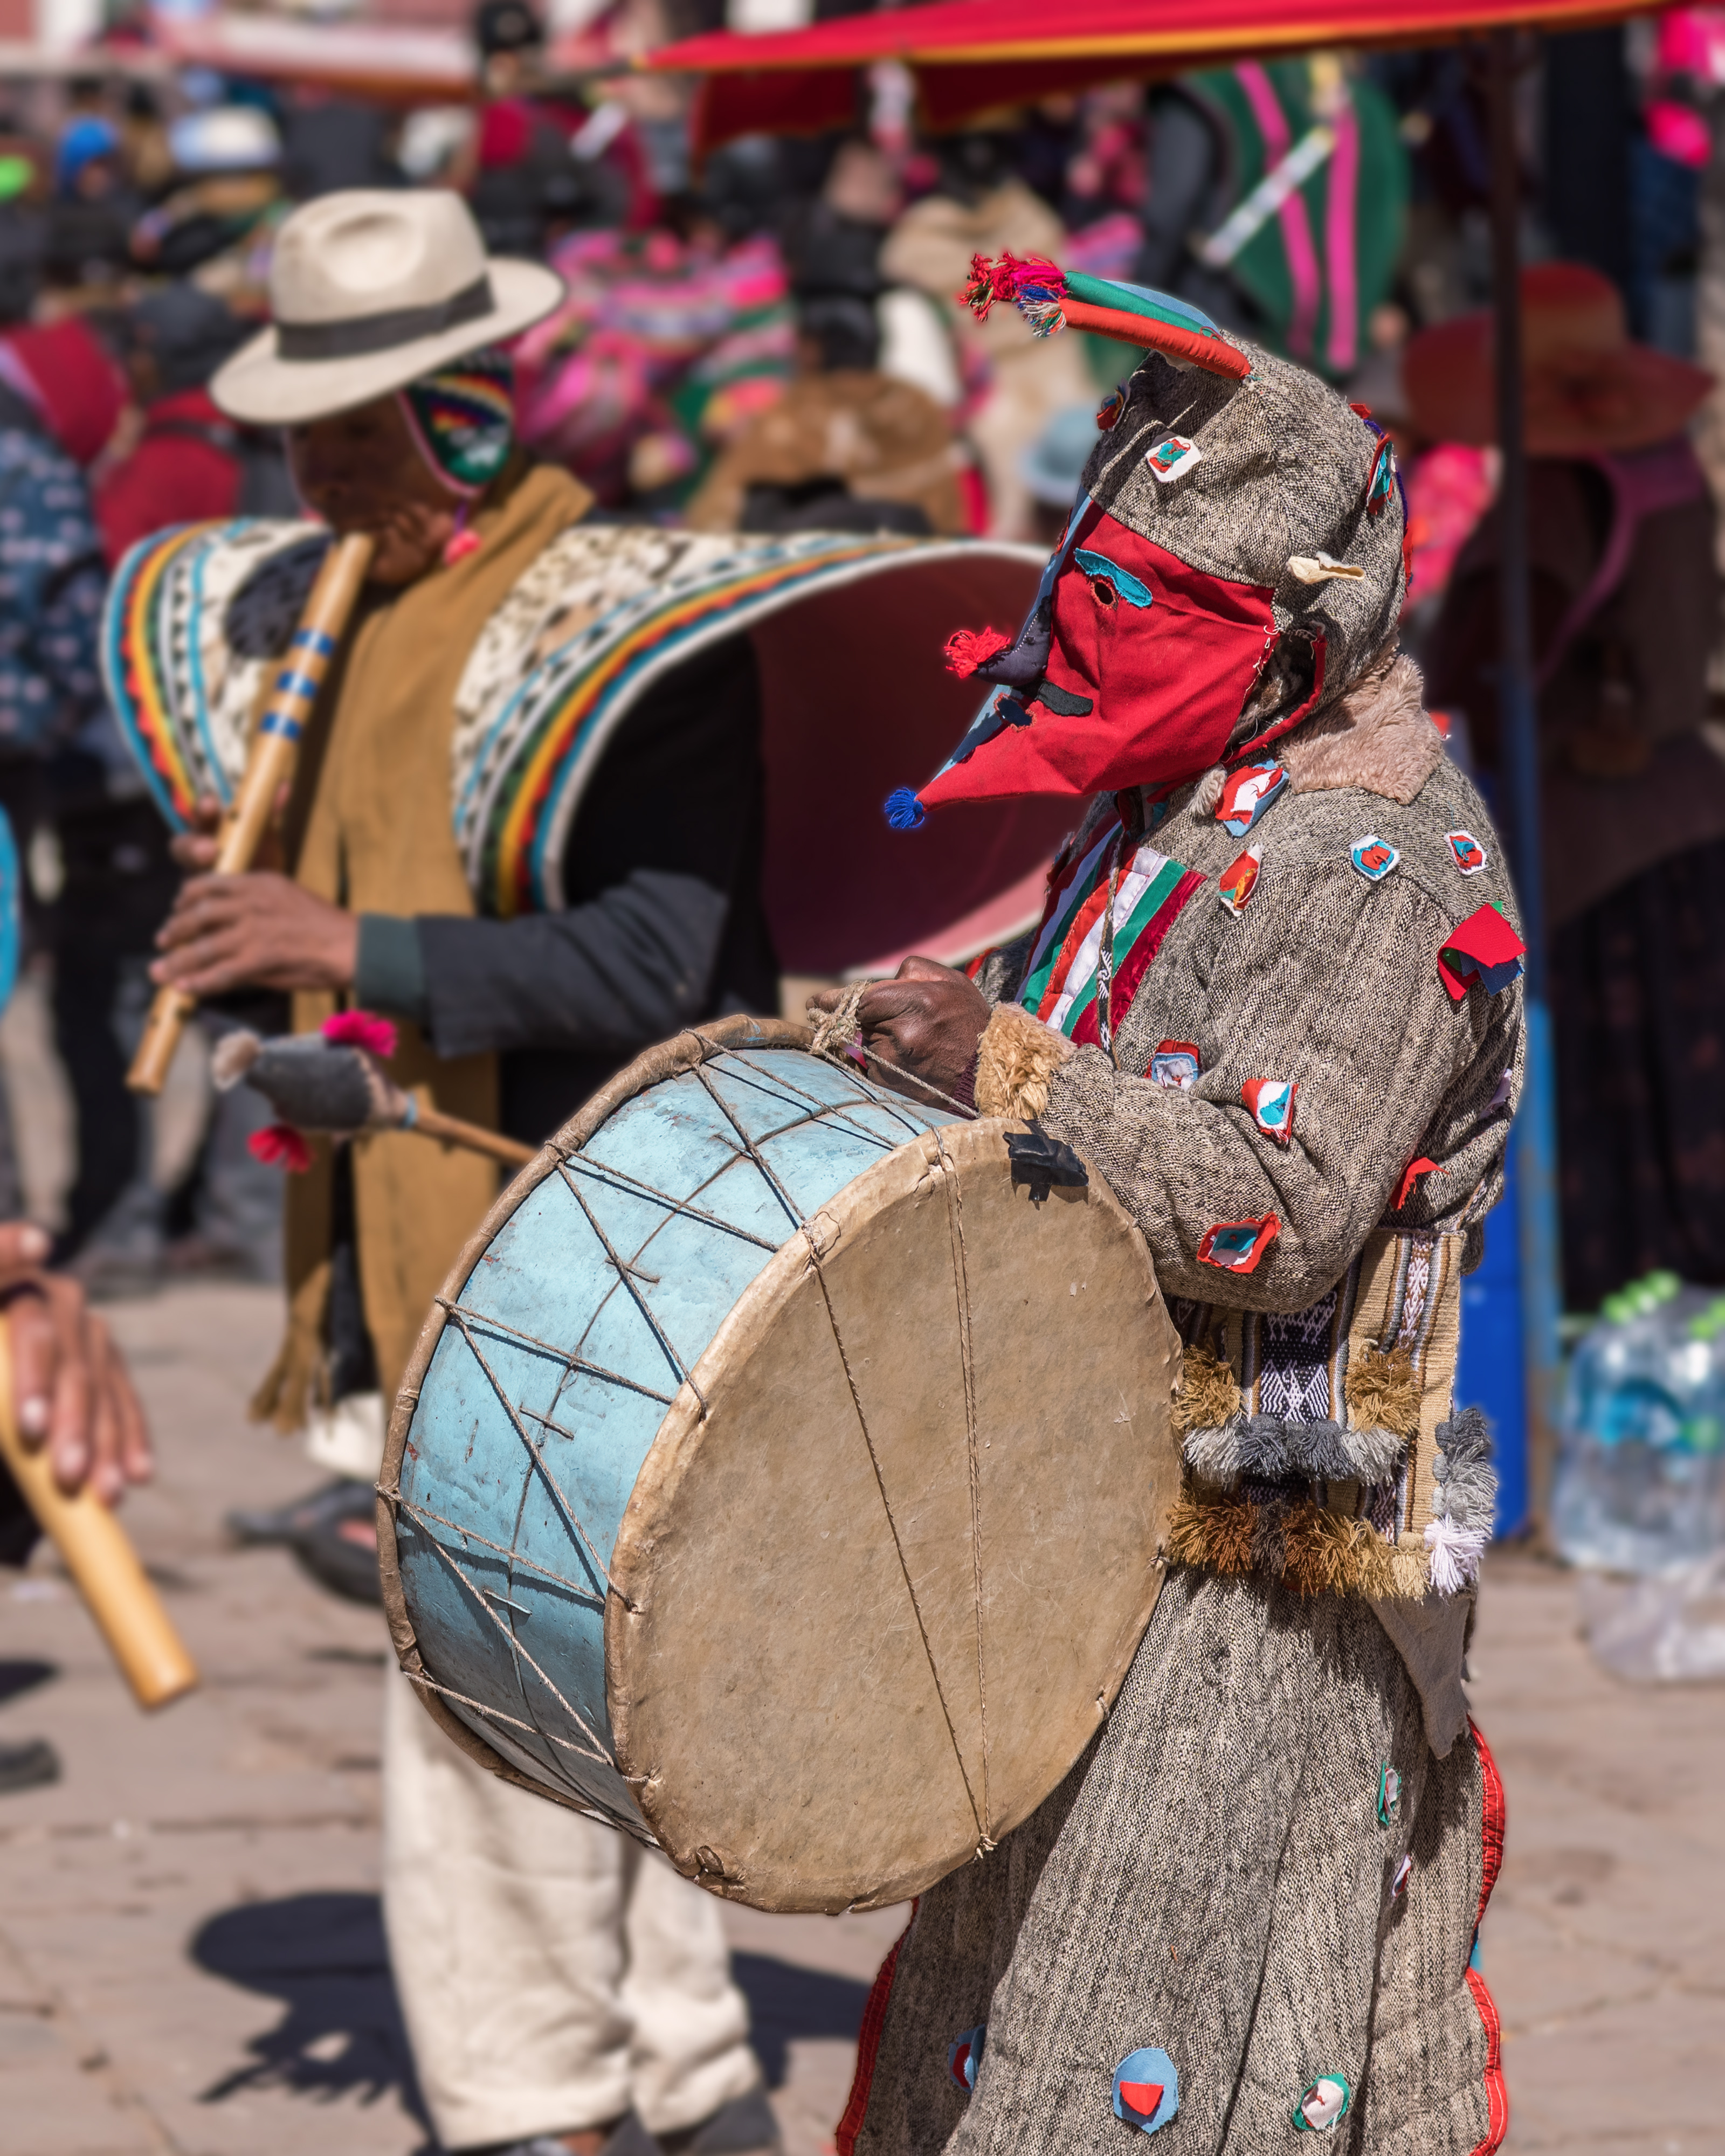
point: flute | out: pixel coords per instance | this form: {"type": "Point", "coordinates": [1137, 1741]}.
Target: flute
{"type": "Point", "coordinates": [97, 1551]}
{"type": "Point", "coordinates": [269, 765]}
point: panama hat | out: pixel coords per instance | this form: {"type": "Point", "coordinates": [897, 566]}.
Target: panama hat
{"type": "Point", "coordinates": [370, 290]}
{"type": "Point", "coordinates": [1588, 389]}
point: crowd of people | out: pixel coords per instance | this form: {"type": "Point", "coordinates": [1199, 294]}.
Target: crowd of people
{"type": "Point", "coordinates": [773, 344]}
{"type": "Point", "coordinates": [241, 302]}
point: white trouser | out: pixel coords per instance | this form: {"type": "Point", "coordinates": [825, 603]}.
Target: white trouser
{"type": "Point", "coordinates": [552, 1973]}
{"type": "Point", "coordinates": [348, 1438]}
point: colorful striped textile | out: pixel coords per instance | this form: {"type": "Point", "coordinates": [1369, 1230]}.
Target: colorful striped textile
{"type": "Point", "coordinates": [1060, 982]}
{"type": "Point", "coordinates": [197, 619]}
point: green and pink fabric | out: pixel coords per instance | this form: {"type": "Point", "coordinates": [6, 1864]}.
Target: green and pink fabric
{"type": "Point", "coordinates": [1319, 262]}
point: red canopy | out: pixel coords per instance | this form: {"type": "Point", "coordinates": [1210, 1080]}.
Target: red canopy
{"type": "Point", "coordinates": [968, 55]}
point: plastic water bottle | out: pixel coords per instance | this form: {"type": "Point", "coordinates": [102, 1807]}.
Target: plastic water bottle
{"type": "Point", "coordinates": [1638, 1484]}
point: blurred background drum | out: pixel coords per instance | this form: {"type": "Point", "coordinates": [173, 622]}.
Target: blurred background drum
{"type": "Point", "coordinates": [782, 1473]}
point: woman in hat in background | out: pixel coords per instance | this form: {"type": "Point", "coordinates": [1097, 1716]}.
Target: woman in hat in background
{"type": "Point", "coordinates": [1626, 615]}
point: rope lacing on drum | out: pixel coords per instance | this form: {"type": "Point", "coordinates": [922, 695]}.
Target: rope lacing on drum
{"type": "Point", "coordinates": [514, 1721]}
{"type": "Point", "coordinates": [595, 1748]}
{"type": "Point", "coordinates": [979, 1812]}
{"type": "Point", "coordinates": [626, 1273]}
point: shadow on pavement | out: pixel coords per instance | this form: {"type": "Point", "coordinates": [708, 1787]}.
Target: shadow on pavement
{"type": "Point", "coordinates": [16, 1677]}
{"type": "Point", "coordinates": [787, 2003]}
{"type": "Point", "coordinates": [323, 1956]}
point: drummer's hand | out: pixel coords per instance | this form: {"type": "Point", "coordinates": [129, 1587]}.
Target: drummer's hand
{"type": "Point", "coordinates": [260, 930]}
{"type": "Point", "coordinates": [927, 1020]}
{"type": "Point", "coordinates": [196, 849]}
{"type": "Point", "coordinates": [68, 1384]}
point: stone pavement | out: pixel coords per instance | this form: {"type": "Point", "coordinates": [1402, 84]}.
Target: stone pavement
{"type": "Point", "coordinates": [190, 1954]}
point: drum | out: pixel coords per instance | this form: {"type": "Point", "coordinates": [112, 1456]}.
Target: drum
{"type": "Point", "coordinates": [782, 1474]}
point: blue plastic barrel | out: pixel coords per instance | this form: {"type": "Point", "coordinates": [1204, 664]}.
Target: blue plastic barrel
{"type": "Point", "coordinates": [1490, 1373]}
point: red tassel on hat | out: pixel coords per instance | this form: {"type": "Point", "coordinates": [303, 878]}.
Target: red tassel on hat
{"type": "Point", "coordinates": [968, 648]}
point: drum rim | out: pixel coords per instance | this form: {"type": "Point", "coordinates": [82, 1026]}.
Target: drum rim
{"type": "Point", "coordinates": [666, 1059]}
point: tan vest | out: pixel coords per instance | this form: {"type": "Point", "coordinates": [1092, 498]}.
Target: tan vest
{"type": "Point", "coordinates": [373, 805]}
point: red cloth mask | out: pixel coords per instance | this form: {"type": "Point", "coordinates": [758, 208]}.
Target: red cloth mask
{"type": "Point", "coordinates": [1148, 665]}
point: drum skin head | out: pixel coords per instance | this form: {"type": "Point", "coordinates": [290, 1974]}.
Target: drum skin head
{"type": "Point", "coordinates": [895, 1542]}
{"type": "Point", "coordinates": [832, 1691]}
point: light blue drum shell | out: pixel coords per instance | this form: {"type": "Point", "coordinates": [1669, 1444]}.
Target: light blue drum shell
{"type": "Point", "coordinates": [564, 1334]}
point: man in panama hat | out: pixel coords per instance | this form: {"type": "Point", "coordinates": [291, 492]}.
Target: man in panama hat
{"type": "Point", "coordinates": [562, 1990]}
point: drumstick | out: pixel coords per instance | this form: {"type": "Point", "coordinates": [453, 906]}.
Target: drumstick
{"type": "Point", "coordinates": [269, 764]}
{"type": "Point", "coordinates": [432, 1123]}
{"type": "Point", "coordinates": [97, 1551]}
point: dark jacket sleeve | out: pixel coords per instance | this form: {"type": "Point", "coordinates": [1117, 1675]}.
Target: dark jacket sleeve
{"type": "Point", "coordinates": [661, 870]}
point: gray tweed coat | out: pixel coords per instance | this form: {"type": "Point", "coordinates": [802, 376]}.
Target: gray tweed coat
{"type": "Point", "coordinates": [1219, 1878]}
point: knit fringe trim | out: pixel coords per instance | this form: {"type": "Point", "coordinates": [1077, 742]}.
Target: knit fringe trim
{"type": "Point", "coordinates": [1296, 1540]}
{"type": "Point", "coordinates": [1464, 1501]}
{"type": "Point", "coordinates": [1017, 1058]}
{"type": "Point", "coordinates": [1383, 1389]}
{"type": "Point", "coordinates": [1266, 1446]}
{"type": "Point", "coordinates": [1209, 1395]}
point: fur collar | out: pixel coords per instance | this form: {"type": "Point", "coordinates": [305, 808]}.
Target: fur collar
{"type": "Point", "coordinates": [1376, 736]}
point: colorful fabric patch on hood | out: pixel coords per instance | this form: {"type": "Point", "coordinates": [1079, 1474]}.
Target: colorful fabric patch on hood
{"type": "Point", "coordinates": [1483, 949]}
{"type": "Point", "coordinates": [1168, 460]}
{"type": "Point", "coordinates": [1060, 984]}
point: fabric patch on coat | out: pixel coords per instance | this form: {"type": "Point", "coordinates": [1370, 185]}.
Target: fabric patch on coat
{"type": "Point", "coordinates": [1063, 976]}
{"type": "Point", "coordinates": [1247, 794]}
{"type": "Point", "coordinates": [1390, 1794]}
{"type": "Point", "coordinates": [1175, 1064]}
{"type": "Point", "coordinates": [1239, 880]}
{"type": "Point", "coordinates": [1121, 583]}
{"type": "Point", "coordinates": [1466, 852]}
{"type": "Point", "coordinates": [1323, 2104]}
{"type": "Point", "coordinates": [1109, 410]}
{"type": "Point", "coordinates": [1147, 2089]}
{"type": "Point", "coordinates": [1410, 1175]}
{"type": "Point", "coordinates": [1272, 1101]}
{"type": "Point", "coordinates": [1168, 460]}
{"type": "Point", "coordinates": [1404, 1872]}
{"type": "Point", "coordinates": [1373, 857]}
{"type": "Point", "coordinates": [1483, 949]}
{"type": "Point", "coordinates": [1235, 1246]}
{"type": "Point", "coordinates": [964, 2054]}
